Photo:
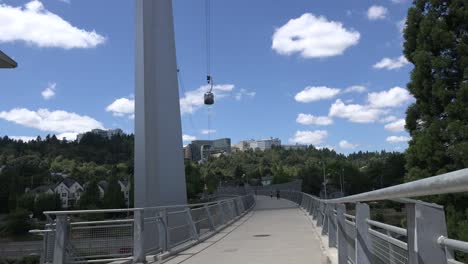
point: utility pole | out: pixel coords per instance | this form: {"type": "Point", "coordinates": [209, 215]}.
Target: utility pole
{"type": "Point", "coordinates": [324, 180]}
{"type": "Point", "coordinates": [342, 180]}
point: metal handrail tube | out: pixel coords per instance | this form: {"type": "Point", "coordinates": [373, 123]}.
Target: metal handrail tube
{"type": "Point", "coordinates": [129, 209]}
{"type": "Point", "coordinates": [102, 222]}
{"type": "Point", "coordinates": [95, 211]}
{"type": "Point", "coordinates": [104, 226]}
{"type": "Point", "coordinates": [393, 229]}
{"type": "Point", "coordinates": [452, 182]}
{"type": "Point", "coordinates": [350, 222]}
{"type": "Point", "coordinates": [453, 244]}
{"type": "Point", "coordinates": [389, 239]}
{"type": "Point", "coordinates": [349, 216]}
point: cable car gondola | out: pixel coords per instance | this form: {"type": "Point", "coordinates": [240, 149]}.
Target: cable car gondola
{"type": "Point", "coordinates": [209, 96]}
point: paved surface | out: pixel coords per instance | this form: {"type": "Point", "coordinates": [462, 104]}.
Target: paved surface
{"type": "Point", "coordinates": [277, 231]}
{"type": "Point", "coordinates": [20, 249]}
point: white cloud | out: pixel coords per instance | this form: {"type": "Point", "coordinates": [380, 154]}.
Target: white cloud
{"type": "Point", "coordinates": [34, 24]}
{"type": "Point", "coordinates": [315, 93]}
{"type": "Point", "coordinates": [189, 103]}
{"type": "Point", "coordinates": [355, 112]}
{"type": "Point", "coordinates": [58, 121]}
{"type": "Point", "coordinates": [70, 136]}
{"type": "Point", "coordinates": [401, 25]}
{"type": "Point", "coordinates": [347, 145]}
{"type": "Point", "coordinates": [376, 12]}
{"type": "Point", "coordinates": [391, 64]}
{"type": "Point", "coordinates": [22, 138]}
{"type": "Point", "coordinates": [387, 119]}
{"type": "Point", "coordinates": [49, 91]}
{"type": "Point", "coordinates": [313, 37]}
{"type": "Point", "coordinates": [309, 137]}
{"type": "Point", "coordinates": [122, 107]}
{"type": "Point", "coordinates": [188, 138]}
{"type": "Point", "coordinates": [395, 139]}
{"type": "Point", "coordinates": [208, 131]}
{"type": "Point", "coordinates": [65, 1]}
{"type": "Point", "coordinates": [242, 93]}
{"type": "Point", "coordinates": [396, 96]}
{"type": "Point", "coordinates": [325, 147]}
{"type": "Point", "coordinates": [397, 126]}
{"type": "Point", "coordinates": [307, 119]}
{"type": "Point", "coordinates": [193, 100]}
{"type": "Point", "coordinates": [355, 88]}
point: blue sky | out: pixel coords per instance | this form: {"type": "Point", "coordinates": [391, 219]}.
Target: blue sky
{"type": "Point", "coordinates": [328, 73]}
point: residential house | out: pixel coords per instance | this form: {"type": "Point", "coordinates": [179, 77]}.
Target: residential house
{"type": "Point", "coordinates": [69, 191]}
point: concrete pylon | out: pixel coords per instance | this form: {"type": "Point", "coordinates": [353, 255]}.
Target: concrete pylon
{"type": "Point", "coordinates": [159, 162]}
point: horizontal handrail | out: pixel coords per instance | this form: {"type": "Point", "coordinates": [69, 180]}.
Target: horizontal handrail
{"type": "Point", "coordinates": [393, 229]}
{"type": "Point", "coordinates": [123, 210]}
{"type": "Point", "coordinates": [453, 244]}
{"type": "Point", "coordinates": [452, 182]}
{"type": "Point", "coordinates": [389, 239]}
{"type": "Point", "coordinates": [102, 222]}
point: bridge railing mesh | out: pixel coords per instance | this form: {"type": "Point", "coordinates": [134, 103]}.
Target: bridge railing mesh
{"type": "Point", "coordinates": [104, 236]}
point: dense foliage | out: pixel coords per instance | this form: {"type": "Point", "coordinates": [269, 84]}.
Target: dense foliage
{"type": "Point", "coordinates": [29, 164]}
{"type": "Point", "coordinates": [360, 171]}
{"type": "Point", "coordinates": [436, 42]}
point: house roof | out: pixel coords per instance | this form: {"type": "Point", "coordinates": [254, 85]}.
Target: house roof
{"type": "Point", "coordinates": [6, 62]}
{"type": "Point", "coordinates": [103, 184]}
{"type": "Point", "coordinates": [42, 189]}
{"type": "Point", "coordinates": [68, 182]}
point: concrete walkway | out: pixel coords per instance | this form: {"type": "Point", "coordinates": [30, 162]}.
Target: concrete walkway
{"type": "Point", "coordinates": [276, 231]}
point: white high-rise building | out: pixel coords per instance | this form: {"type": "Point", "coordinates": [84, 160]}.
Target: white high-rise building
{"type": "Point", "coordinates": [261, 144]}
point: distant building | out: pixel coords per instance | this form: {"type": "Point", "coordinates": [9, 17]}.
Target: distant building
{"type": "Point", "coordinates": [125, 188]}
{"type": "Point", "coordinates": [69, 191]}
{"type": "Point", "coordinates": [103, 133]}
{"type": "Point", "coordinates": [202, 149]}
{"type": "Point", "coordinates": [296, 146]}
{"type": "Point", "coordinates": [260, 144]}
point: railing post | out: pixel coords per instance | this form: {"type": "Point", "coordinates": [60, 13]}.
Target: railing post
{"type": "Point", "coordinates": [363, 241]}
{"type": "Point", "coordinates": [221, 212]}
{"type": "Point", "coordinates": [138, 237]}
{"type": "Point", "coordinates": [162, 230]}
{"type": "Point", "coordinates": [210, 218]}
{"type": "Point", "coordinates": [425, 224]}
{"type": "Point", "coordinates": [325, 220]}
{"type": "Point", "coordinates": [319, 214]}
{"type": "Point", "coordinates": [316, 208]}
{"type": "Point", "coordinates": [342, 242]}
{"type": "Point", "coordinates": [61, 239]}
{"type": "Point", "coordinates": [311, 203]}
{"type": "Point", "coordinates": [331, 226]}
{"type": "Point", "coordinates": [192, 224]}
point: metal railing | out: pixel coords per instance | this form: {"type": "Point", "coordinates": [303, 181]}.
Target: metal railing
{"type": "Point", "coordinates": [103, 236]}
{"type": "Point", "coordinates": [361, 240]}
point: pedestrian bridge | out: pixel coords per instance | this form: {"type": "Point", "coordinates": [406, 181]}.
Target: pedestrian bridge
{"type": "Point", "coordinates": [275, 231]}
{"type": "Point", "coordinates": [251, 227]}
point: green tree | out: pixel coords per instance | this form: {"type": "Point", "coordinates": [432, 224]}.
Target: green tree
{"type": "Point", "coordinates": [17, 223]}
{"type": "Point", "coordinates": [113, 196]}
{"type": "Point", "coordinates": [90, 197]}
{"type": "Point", "coordinates": [46, 202]}
{"type": "Point", "coordinates": [26, 201]}
{"type": "Point", "coordinates": [193, 180]}
{"type": "Point", "coordinates": [436, 42]}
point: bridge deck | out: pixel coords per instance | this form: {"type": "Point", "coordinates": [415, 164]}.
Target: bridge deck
{"type": "Point", "coordinates": [276, 231]}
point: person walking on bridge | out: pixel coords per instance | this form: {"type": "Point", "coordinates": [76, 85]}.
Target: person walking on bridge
{"type": "Point", "coordinates": [271, 194]}
{"type": "Point", "coordinates": [278, 194]}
